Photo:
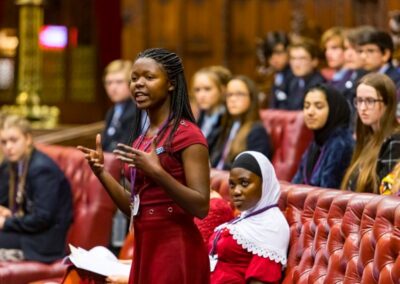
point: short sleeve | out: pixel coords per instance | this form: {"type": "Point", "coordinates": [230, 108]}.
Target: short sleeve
{"type": "Point", "coordinates": [264, 270]}
{"type": "Point", "coordinates": [186, 135]}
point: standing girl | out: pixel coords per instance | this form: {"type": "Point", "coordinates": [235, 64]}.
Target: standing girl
{"type": "Point", "coordinates": [377, 148]}
{"type": "Point", "coordinates": [169, 172]}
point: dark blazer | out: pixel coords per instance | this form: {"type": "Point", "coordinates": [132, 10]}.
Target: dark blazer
{"type": "Point", "coordinates": [348, 89]}
{"type": "Point", "coordinates": [213, 136]}
{"type": "Point", "coordinates": [280, 86]}
{"type": "Point", "coordinates": [336, 156]}
{"type": "Point", "coordinates": [293, 97]}
{"type": "Point", "coordinates": [123, 129]}
{"type": "Point", "coordinates": [257, 140]}
{"type": "Point", "coordinates": [394, 74]}
{"type": "Point", "coordinates": [48, 210]}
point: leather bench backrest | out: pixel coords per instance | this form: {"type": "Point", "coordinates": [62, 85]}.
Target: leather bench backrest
{"type": "Point", "coordinates": [93, 208]}
{"type": "Point", "coordinates": [290, 138]}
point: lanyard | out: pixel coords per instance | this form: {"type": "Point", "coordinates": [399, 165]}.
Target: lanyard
{"type": "Point", "coordinates": [140, 141]}
{"type": "Point", "coordinates": [237, 220]}
{"type": "Point", "coordinates": [315, 167]}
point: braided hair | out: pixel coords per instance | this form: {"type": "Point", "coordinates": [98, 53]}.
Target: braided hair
{"type": "Point", "coordinates": [180, 106]}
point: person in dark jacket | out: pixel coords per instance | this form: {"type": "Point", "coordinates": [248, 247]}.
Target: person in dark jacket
{"type": "Point", "coordinates": [327, 114]}
{"type": "Point", "coordinates": [303, 62]}
{"type": "Point", "coordinates": [355, 64]}
{"type": "Point", "coordinates": [242, 127]}
{"type": "Point", "coordinates": [376, 49]}
{"type": "Point", "coordinates": [35, 197]}
{"type": "Point", "coordinates": [275, 51]}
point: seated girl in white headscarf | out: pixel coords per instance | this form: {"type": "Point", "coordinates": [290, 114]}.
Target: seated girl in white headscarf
{"type": "Point", "coordinates": [253, 247]}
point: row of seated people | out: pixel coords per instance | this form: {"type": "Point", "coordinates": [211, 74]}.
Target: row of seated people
{"type": "Point", "coordinates": [368, 155]}
{"type": "Point", "coordinates": [349, 54]}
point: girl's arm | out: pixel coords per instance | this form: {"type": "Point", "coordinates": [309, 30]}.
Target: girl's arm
{"type": "Point", "coordinates": [96, 161]}
{"type": "Point", "coordinates": [193, 197]}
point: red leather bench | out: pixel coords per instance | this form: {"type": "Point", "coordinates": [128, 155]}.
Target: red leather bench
{"type": "Point", "coordinates": [93, 212]}
{"type": "Point", "coordinates": [336, 236]}
{"type": "Point", "coordinates": [290, 138]}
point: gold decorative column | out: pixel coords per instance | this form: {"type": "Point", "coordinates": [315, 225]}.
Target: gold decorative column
{"type": "Point", "coordinates": [29, 58]}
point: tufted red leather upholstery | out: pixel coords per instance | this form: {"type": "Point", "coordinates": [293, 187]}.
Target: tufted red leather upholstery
{"type": "Point", "coordinates": [337, 236]}
{"type": "Point", "coordinates": [93, 212]}
{"type": "Point", "coordinates": [290, 138]}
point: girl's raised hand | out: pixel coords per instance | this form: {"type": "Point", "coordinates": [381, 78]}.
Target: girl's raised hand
{"type": "Point", "coordinates": [147, 162]}
{"type": "Point", "coordinates": [94, 157]}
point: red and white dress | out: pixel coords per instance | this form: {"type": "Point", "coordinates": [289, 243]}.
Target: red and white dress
{"type": "Point", "coordinates": [238, 266]}
{"type": "Point", "coordinates": [253, 246]}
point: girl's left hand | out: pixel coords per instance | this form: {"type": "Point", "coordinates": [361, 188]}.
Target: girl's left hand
{"type": "Point", "coordinates": [147, 162]}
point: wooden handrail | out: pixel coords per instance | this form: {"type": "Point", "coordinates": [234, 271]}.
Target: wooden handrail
{"type": "Point", "coordinates": [70, 133]}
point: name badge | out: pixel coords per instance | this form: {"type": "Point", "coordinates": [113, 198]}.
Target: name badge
{"type": "Point", "coordinates": [134, 209]}
{"type": "Point", "coordinates": [213, 261]}
{"type": "Point", "coordinates": [160, 150]}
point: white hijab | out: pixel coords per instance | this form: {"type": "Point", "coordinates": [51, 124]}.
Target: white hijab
{"type": "Point", "coordinates": [266, 234]}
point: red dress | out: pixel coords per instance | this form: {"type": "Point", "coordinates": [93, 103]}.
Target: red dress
{"type": "Point", "coordinates": [238, 266]}
{"type": "Point", "coordinates": [168, 245]}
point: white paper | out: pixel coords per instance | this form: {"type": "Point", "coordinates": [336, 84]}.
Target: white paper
{"type": "Point", "coordinates": [98, 260]}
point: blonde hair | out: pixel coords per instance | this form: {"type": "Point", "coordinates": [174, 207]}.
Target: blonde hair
{"type": "Point", "coordinates": [368, 144]}
{"type": "Point", "coordinates": [218, 74]}
{"type": "Point", "coordinates": [334, 32]}
{"type": "Point", "coordinates": [119, 65]}
{"type": "Point", "coordinates": [13, 120]}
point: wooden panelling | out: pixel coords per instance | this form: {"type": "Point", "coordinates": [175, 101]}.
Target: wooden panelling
{"type": "Point", "coordinates": [134, 29]}
{"type": "Point", "coordinates": [242, 34]}
{"type": "Point", "coordinates": [203, 34]}
{"type": "Point", "coordinates": [274, 15]}
{"type": "Point", "coordinates": [163, 24]}
{"type": "Point", "coordinates": [393, 5]}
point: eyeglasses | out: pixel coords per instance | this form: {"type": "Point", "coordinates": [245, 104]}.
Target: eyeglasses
{"type": "Point", "coordinates": [369, 102]}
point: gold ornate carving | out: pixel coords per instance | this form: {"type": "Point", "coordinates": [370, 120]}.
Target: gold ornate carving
{"type": "Point", "coordinates": [30, 68]}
